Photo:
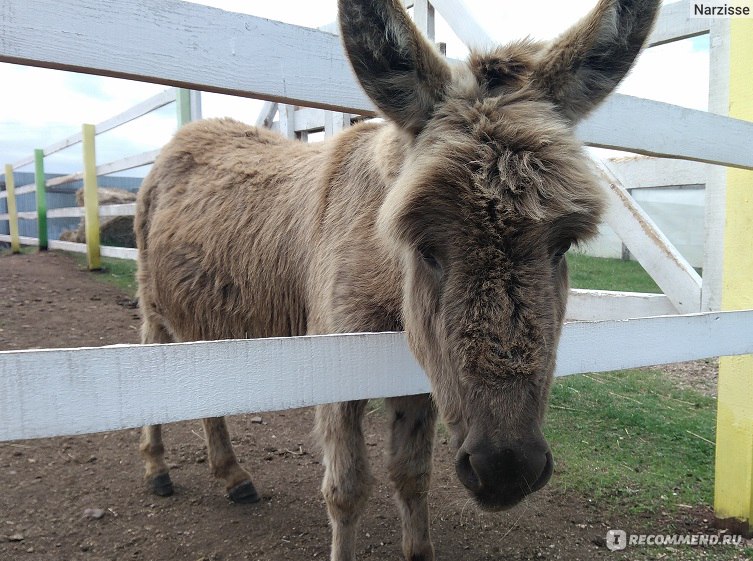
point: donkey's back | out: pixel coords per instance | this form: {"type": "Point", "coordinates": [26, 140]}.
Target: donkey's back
{"type": "Point", "coordinates": [219, 227]}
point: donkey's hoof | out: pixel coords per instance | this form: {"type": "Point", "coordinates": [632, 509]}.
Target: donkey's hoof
{"type": "Point", "coordinates": [243, 493]}
{"type": "Point", "coordinates": [161, 485]}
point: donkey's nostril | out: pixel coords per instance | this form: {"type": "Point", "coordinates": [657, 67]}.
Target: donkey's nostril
{"type": "Point", "coordinates": [545, 474]}
{"type": "Point", "coordinates": [466, 473]}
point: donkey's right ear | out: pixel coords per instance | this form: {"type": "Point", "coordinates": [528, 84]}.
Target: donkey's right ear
{"type": "Point", "coordinates": [580, 68]}
{"type": "Point", "coordinates": [399, 69]}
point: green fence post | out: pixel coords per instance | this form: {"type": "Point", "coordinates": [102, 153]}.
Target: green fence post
{"type": "Point", "coordinates": [183, 106]}
{"type": "Point", "coordinates": [41, 186]}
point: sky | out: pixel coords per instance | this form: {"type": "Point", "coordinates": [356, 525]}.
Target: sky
{"type": "Point", "coordinates": [41, 106]}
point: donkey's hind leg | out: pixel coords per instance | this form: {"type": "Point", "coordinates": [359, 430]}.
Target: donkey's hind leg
{"type": "Point", "coordinates": [157, 474]}
{"type": "Point", "coordinates": [224, 463]}
{"type": "Point", "coordinates": [413, 420]}
{"type": "Point", "coordinates": [347, 479]}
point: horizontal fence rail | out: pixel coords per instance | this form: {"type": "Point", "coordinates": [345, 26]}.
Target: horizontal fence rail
{"type": "Point", "coordinates": [124, 209]}
{"type": "Point", "coordinates": [254, 57]}
{"type": "Point", "coordinates": [674, 24]}
{"type": "Point", "coordinates": [74, 391]}
{"type": "Point", "coordinates": [147, 106]}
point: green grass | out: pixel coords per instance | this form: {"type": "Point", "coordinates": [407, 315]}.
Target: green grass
{"type": "Point", "coordinates": [608, 274]}
{"type": "Point", "coordinates": [119, 272]}
{"type": "Point", "coordinates": [642, 451]}
{"type": "Point", "coordinates": [633, 441]}
{"type": "Point", "coordinates": [25, 250]}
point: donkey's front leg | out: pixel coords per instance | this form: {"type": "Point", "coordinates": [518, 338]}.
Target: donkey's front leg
{"type": "Point", "coordinates": [224, 463]}
{"type": "Point", "coordinates": [347, 479]}
{"type": "Point", "coordinates": [413, 420]}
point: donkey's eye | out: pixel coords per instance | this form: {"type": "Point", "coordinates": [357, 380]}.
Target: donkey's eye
{"type": "Point", "coordinates": [429, 258]}
{"type": "Point", "coordinates": [562, 250]}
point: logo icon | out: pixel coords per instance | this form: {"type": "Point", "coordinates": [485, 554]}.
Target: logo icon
{"type": "Point", "coordinates": [616, 540]}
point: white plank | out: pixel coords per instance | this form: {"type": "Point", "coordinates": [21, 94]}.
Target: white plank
{"type": "Point", "coordinates": [128, 253]}
{"type": "Point", "coordinates": [308, 119]}
{"type": "Point", "coordinates": [63, 179]}
{"type": "Point", "coordinates": [617, 345]}
{"type": "Point", "coordinates": [67, 246]}
{"type": "Point", "coordinates": [66, 212]}
{"type": "Point", "coordinates": [61, 144]}
{"type": "Point", "coordinates": [269, 110]}
{"type": "Point", "coordinates": [669, 269]}
{"type": "Point", "coordinates": [5, 217]}
{"type": "Point", "coordinates": [129, 162]}
{"type": "Point", "coordinates": [27, 215]}
{"type": "Point", "coordinates": [267, 115]}
{"type": "Point", "coordinates": [299, 66]}
{"type": "Point", "coordinates": [672, 24]}
{"type": "Point", "coordinates": [147, 106]}
{"type": "Point", "coordinates": [715, 203]}
{"type": "Point", "coordinates": [98, 388]}
{"type": "Point", "coordinates": [3, 194]}
{"type": "Point", "coordinates": [675, 24]}
{"type": "Point", "coordinates": [332, 27]}
{"type": "Point", "coordinates": [74, 391]}
{"type": "Point", "coordinates": [105, 250]}
{"type": "Point", "coordinates": [31, 188]}
{"type": "Point", "coordinates": [464, 24]}
{"type": "Point", "coordinates": [289, 63]}
{"type": "Point", "coordinates": [286, 120]}
{"type": "Point", "coordinates": [423, 17]}
{"type": "Point", "coordinates": [194, 98]}
{"type": "Point", "coordinates": [125, 209]}
{"type": "Point", "coordinates": [335, 122]}
{"type": "Point", "coordinates": [24, 162]}
{"type": "Point", "coordinates": [598, 305]}
{"type": "Point", "coordinates": [23, 240]}
{"type": "Point", "coordinates": [139, 110]}
{"type": "Point", "coordinates": [644, 171]}
{"type": "Point", "coordinates": [654, 128]}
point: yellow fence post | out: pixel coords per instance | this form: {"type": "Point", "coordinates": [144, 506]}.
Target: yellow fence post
{"type": "Point", "coordinates": [10, 187]}
{"type": "Point", "coordinates": [91, 201]}
{"type": "Point", "coordinates": [733, 493]}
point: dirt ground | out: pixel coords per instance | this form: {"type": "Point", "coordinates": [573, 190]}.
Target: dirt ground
{"type": "Point", "coordinates": [82, 498]}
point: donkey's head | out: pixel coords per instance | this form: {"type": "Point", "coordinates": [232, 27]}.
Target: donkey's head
{"type": "Point", "coordinates": [493, 191]}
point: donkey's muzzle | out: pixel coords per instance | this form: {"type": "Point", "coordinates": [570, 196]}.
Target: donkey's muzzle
{"type": "Point", "coordinates": [500, 479]}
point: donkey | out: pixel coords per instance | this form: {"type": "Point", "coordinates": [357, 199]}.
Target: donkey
{"type": "Point", "coordinates": [450, 221]}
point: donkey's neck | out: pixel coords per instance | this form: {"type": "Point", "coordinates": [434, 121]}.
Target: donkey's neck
{"type": "Point", "coordinates": [353, 271]}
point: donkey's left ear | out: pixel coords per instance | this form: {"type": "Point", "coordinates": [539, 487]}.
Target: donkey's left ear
{"type": "Point", "coordinates": [402, 73]}
{"type": "Point", "coordinates": [581, 67]}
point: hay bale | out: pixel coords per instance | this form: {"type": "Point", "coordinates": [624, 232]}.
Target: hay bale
{"type": "Point", "coordinates": [113, 230]}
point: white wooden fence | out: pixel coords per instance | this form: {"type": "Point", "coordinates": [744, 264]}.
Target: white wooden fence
{"type": "Point", "coordinates": [45, 393]}
{"type": "Point", "coordinates": [74, 391]}
{"type": "Point", "coordinates": [186, 109]}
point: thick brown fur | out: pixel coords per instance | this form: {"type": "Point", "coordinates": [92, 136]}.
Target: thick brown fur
{"type": "Point", "coordinates": [450, 221]}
